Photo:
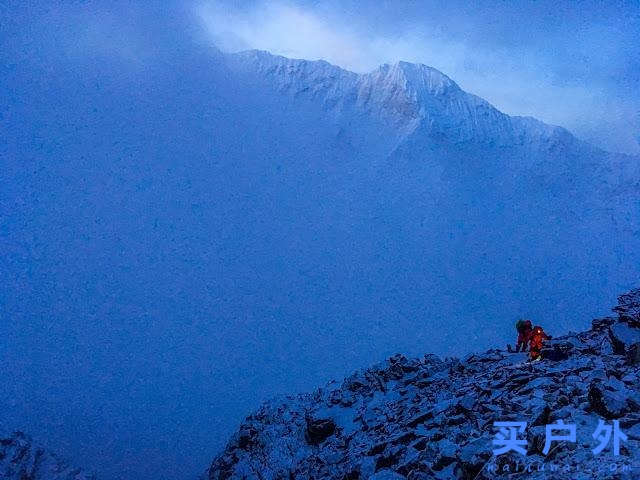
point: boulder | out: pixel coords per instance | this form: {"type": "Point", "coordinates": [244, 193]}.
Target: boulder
{"type": "Point", "coordinates": [319, 430]}
{"type": "Point", "coordinates": [624, 338]}
{"type": "Point", "coordinates": [633, 354]}
{"type": "Point", "coordinates": [628, 308]}
{"type": "Point", "coordinates": [606, 402]}
{"type": "Point", "coordinates": [473, 458]}
{"type": "Point", "coordinates": [599, 324]}
{"type": "Point", "coordinates": [558, 351]}
{"type": "Point", "coordinates": [247, 437]}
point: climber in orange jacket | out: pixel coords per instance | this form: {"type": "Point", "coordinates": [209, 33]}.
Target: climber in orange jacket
{"type": "Point", "coordinates": [536, 342]}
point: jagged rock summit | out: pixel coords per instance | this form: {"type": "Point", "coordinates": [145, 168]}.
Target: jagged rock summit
{"type": "Point", "coordinates": [433, 418]}
{"type": "Point", "coordinates": [22, 459]}
{"type": "Point", "coordinates": [413, 97]}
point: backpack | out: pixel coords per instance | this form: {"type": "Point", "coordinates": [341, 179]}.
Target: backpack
{"type": "Point", "coordinates": [520, 326]}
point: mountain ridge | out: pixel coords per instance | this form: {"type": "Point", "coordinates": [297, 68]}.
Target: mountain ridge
{"type": "Point", "coordinates": [21, 459]}
{"type": "Point", "coordinates": [411, 93]}
{"type": "Point", "coordinates": [433, 418]}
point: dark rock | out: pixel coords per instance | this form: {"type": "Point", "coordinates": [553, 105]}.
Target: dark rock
{"type": "Point", "coordinates": [606, 403]}
{"type": "Point", "coordinates": [456, 420]}
{"type": "Point", "coordinates": [633, 354]}
{"type": "Point", "coordinates": [420, 444]}
{"type": "Point", "coordinates": [472, 459]}
{"type": "Point", "coordinates": [418, 419]}
{"type": "Point", "coordinates": [542, 418]}
{"type": "Point", "coordinates": [536, 438]}
{"type": "Point", "coordinates": [628, 308]}
{"type": "Point", "coordinates": [596, 401]}
{"type": "Point", "coordinates": [557, 352]}
{"type": "Point", "coordinates": [352, 475]}
{"type": "Point", "coordinates": [21, 459]}
{"type": "Point", "coordinates": [377, 449]}
{"type": "Point", "coordinates": [442, 461]}
{"type": "Point", "coordinates": [319, 430]}
{"type": "Point", "coordinates": [247, 437]}
{"type": "Point", "coordinates": [623, 337]}
{"type": "Point", "coordinates": [405, 438]}
{"type": "Point", "coordinates": [600, 324]}
{"type": "Point", "coordinates": [389, 459]}
{"type": "Point", "coordinates": [387, 475]}
{"type": "Point", "coordinates": [420, 474]}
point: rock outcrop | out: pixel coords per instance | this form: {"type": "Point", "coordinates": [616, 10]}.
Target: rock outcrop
{"type": "Point", "coordinates": [629, 307]}
{"type": "Point", "coordinates": [21, 459]}
{"type": "Point", "coordinates": [434, 418]}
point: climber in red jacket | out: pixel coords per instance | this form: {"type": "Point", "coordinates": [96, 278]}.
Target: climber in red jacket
{"type": "Point", "coordinates": [536, 342]}
{"type": "Point", "coordinates": [524, 332]}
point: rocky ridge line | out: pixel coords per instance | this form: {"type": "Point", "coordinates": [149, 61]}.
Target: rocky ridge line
{"type": "Point", "coordinates": [21, 459]}
{"type": "Point", "coordinates": [433, 419]}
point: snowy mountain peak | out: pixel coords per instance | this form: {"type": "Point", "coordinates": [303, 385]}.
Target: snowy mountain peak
{"type": "Point", "coordinates": [405, 97]}
{"type": "Point", "coordinates": [416, 76]}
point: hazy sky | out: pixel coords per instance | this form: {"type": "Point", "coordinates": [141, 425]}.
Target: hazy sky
{"type": "Point", "coordinates": [566, 62]}
{"type": "Point", "coordinates": [570, 63]}
{"type": "Point", "coordinates": [157, 281]}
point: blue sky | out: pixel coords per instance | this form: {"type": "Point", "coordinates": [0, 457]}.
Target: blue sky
{"type": "Point", "coordinates": [574, 64]}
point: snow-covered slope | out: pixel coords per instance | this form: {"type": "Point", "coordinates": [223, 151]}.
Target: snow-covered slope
{"type": "Point", "coordinates": [413, 114]}
{"type": "Point", "coordinates": [433, 418]}
{"type": "Point", "coordinates": [410, 96]}
{"type": "Point", "coordinates": [22, 459]}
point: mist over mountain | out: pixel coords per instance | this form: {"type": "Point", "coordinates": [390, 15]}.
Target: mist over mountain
{"type": "Point", "coordinates": [185, 239]}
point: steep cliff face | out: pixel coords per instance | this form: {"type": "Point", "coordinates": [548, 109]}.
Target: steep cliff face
{"type": "Point", "coordinates": [407, 96]}
{"type": "Point", "coordinates": [434, 418]}
{"type": "Point", "coordinates": [22, 459]}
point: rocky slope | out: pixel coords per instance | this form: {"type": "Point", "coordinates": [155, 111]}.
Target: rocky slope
{"type": "Point", "coordinates": [433, 418]}
{"type": "Point", "coordinates": [21, 459]}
